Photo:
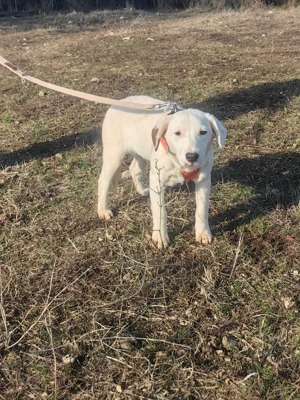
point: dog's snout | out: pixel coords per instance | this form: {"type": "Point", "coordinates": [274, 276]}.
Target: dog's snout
{"type": "Point", "coordinates": [192, 157]}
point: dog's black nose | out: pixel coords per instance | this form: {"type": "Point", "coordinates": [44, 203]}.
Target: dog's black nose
{"type": "Point", "coordinates": [192, 157]}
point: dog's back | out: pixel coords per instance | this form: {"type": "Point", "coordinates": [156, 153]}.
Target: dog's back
{"type": "Point", "coordinates": [126, 127]}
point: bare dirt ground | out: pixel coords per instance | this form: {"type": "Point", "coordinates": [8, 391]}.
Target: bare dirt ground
{"type": "Point", "coordinates": [91, 310]}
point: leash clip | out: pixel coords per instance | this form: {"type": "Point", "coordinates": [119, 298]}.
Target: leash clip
{"type": "Point", "coordinates": [172, 106]}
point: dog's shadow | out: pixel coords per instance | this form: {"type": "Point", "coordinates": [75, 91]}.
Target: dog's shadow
{"type": "Point", "coordinates": [273, 180]}
{"type": "Point", "coordinates": [49, 148]}
{"type": "Point", "coordinates": [269, 97]}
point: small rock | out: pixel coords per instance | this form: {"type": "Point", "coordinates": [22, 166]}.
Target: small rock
{"type": "Point", "coordinates": [58, 156]}
{"type": "Point", "coordinates": [110, 237]}
{"type": "Point", "coordinates": [68, 359]}
{"type": "Point", "coordinates": [119, 389]}
{"type": "Point", "coordinates": [288, 302]}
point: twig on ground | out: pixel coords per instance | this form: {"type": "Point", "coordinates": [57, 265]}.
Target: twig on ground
{"type": "Point", "coordinates": [48, 304]}
{"type": "Point", "coordinates": [49, 331]}
{"type": "Point", "coordinates": [237, 252]}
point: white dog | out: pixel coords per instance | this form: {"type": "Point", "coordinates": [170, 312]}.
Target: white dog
{"type": "Point", "coordinates": [178, 146]}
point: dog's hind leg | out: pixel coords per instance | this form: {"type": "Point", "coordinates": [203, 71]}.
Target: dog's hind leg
{"type": "Point", "coordinates": [136, 169]}
{"type": "Point", "coordinates": [109, 176]}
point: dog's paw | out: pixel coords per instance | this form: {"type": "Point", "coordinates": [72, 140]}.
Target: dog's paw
{"type": "Point", "coordinates": [204, 237]}
{"type": "Point", "coordinates": [160, 240]}
{"type": "Point", "coordinates": [105, 214]}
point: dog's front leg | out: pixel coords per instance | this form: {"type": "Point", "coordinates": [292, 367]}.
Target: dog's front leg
{"type": "Point", "coordinates": [158, 208]}
{"type": "Point", "coordinates": [202, 189]}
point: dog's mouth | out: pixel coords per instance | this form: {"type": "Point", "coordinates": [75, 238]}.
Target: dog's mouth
{"type": "Point", "coordinates": [191, 166]}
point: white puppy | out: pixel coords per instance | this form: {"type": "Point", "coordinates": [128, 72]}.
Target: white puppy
{"type": "Point", "coordinates": [178, 146]}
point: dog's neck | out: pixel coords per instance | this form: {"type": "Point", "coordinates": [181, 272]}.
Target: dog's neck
{"type": "Point", "coordinates": [187, 175]}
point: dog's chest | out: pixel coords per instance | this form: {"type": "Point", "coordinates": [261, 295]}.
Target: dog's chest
{"type": "Point", "coordinates": [173, 177]}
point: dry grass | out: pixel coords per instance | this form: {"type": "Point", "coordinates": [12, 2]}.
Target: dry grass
{"type": "Point", "coordinates": [91, 310]}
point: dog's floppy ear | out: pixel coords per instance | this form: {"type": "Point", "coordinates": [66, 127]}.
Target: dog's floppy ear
{"type": "Point", "coordinates": [218, 129]}
{"type": "Point", "coordinates": [159, 131]}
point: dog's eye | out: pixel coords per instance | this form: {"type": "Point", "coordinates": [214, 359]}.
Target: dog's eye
{"type": "Point", "coordinates": [178, 133]}
{"type": "Point", "coordinates": [202, 133]}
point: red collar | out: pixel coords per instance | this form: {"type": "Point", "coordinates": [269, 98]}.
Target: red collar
{"type": "Point", "coordinates": [187, 175]}
{"type": "Point", "coordinates": [191, 175]}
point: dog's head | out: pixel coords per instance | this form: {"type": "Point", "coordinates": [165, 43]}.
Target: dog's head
{"type": "Point", "coordinates": [189, 135]}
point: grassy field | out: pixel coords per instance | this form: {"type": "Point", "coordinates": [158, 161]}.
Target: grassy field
{"type": "Point", "coordinates": [92, 310]}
